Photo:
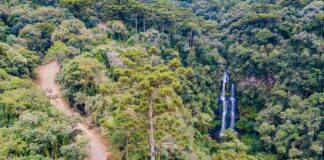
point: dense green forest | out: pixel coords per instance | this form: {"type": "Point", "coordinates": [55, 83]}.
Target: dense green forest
{"type": "Point", "coordinates": [147, 74]}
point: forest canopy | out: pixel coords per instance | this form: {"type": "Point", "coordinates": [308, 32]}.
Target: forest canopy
{"type": "Point", "coordinates": [147, 74]}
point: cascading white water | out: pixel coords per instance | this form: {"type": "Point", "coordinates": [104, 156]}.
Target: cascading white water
{"type": "Point", "coordinates": [223, 99]}
{"type": "Point", "coordinates": [233, 105]}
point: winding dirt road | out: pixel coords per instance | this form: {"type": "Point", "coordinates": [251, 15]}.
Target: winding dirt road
{"type": "Point", "coordinates": [46, 80]}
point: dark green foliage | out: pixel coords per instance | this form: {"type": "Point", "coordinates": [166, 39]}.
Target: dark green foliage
{"type": "Point", "coordinates": [20, 17]}
{"type": "Point", "coordinates": [295, 133]}
{"type": "Point", "coordinates": [38, 36]}
{"type": "Point", "coordinates": [116, 53]}
{"type": "Point", "coordinates": [29, 129]}
{"type": "Point", "coordinates": [45, 2]}
{"type": "Point", "coordinates": [81, 76]}
{"type": "Point", "coordinates": [4, 30]}
{"type": "Point", "coordinates": [231, 148]}
{"type": "Point", "coordinates": [17, 61]}
{"type": "Point", "coordinates": [59, 51]}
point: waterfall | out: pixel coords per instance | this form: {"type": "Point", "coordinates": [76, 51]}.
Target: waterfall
{"type": "Point", "coordinates": [223, 99]}
{"type": "Point", "coordinates": [233, 105]}
{"type": "Point", "coordinates": [227, 101]}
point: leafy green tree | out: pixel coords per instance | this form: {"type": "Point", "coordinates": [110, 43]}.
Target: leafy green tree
{"type": "Point", "coordinates": [45, 2]}
{"type": "Point", "coordinates": [38, 36]}
{"type": "Point", "coordinates": [81, 9]}
{"type": "Point", "coordinates": [4, 30]}
{"type": "Point", "coordinates": [59, 51]}
{"type": "Point", "coordinates": [169, 60]}
{"type": "Point", "coordinates": [118, 29]}
{"type": "Point", "coordinates": [264, 36]}
{"type": "Point", "coordinates": [231, 148]}
{"type": "Point", "coordinates": [17, 61]}
{"type": "Point", "coordinates": [73, 32]}
{"type": "Point", "coordinates": [145, 106]}
{"type": "Point", "coordinates": [29, 128]}
{"type": "Point", "coordinates": [83, 75]}
{"type": "Point", "coordinates": [17, 19]}
{"type": "Point", "coordinates": [48, 14]}
{"type": "Point", "coordinates": [295, 133]}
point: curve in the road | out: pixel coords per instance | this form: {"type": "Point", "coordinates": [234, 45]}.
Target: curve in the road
{"type": "Point", "coordinates": [46, 80]}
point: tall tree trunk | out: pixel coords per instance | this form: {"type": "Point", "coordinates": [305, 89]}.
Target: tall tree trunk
{"type": "Point", "coordinates": [136, 21]}
{"type": "Point", "coordinates": [162, 26]}
{"type": "Point", "coordinates": [152, 143]}
{"type": "Point", "coordinates": [155, 26]}
{"type": "Point", "coordinates": [144, 24]}
{"type": "Point", "coordinates": [170, 32]}
{"type": "Point", "coordinates": [190, 38]}
{"type": "Point", "coordinates": [127, 158]}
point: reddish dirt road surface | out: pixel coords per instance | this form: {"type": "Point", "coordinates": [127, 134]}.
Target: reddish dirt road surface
{"type": "Point", "coordinates": [46, 81]}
